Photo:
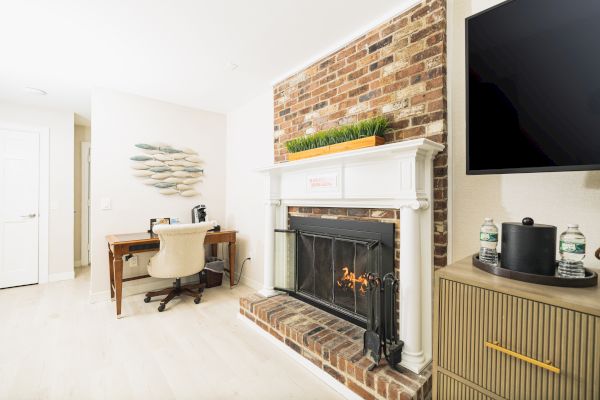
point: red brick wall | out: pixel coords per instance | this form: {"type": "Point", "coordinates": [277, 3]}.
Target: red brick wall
{"type": "Point", "coordinates": [398, 70]}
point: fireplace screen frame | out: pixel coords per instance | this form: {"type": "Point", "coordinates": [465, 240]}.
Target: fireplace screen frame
{"type": "Point", "coordinates": [379, 236]}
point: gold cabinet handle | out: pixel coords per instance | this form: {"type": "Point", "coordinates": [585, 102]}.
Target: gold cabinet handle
{"type": "Point", "coordinates": [546, 365]}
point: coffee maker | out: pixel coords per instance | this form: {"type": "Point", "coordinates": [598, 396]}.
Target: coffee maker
{"type": "Point", "coordinates": [199, 214]}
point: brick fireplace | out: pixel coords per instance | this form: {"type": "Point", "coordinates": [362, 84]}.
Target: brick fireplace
{"type": "Point", "coordinates": [393, 182]}
{"type": "Point", "coordinates": [397, 176]}
{"type": "Point", "coordinates": [398, 70]}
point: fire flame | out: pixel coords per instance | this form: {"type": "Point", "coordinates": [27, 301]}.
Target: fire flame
{"type": "Point", "coordinates": [349, 280]}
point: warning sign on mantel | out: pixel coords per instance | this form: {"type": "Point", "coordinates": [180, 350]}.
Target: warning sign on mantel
{"type": "Point", "coordinates": [322, 182]}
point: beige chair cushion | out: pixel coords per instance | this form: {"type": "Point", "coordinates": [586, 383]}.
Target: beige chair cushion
{"type": "Point", "coordinates": [181, 250]}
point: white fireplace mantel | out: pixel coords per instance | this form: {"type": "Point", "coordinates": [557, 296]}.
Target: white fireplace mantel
{"type": "Point", "coordinates": [393, 176]}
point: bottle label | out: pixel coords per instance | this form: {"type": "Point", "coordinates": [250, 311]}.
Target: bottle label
{"type": "Point", "coordinates": [574, 248]}
{"type": "Point", "coordinates": [488, 237]}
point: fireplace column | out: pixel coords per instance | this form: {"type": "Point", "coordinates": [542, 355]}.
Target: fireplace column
{"type": "Point", "coordinates": [411, 324]}
{"type": "Point", "coordinates": [269, 249]}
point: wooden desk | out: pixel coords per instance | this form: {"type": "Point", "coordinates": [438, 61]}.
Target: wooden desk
{"type": "Point", "coordinates": [121, 245]}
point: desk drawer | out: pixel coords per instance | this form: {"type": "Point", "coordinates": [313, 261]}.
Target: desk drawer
{"type": "Point", "coordinates": [517, 348]}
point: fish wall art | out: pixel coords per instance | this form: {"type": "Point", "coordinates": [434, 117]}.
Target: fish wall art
{"type": "Point", "coordinates": [172, 171]}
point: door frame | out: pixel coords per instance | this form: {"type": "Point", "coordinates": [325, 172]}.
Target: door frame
{"type": "Point", "coordinates": [85, 190]}
{"type": "Point", "coordinates": [44, 193]}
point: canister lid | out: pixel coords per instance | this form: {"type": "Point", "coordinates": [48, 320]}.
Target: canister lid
{"type": "Point", "coordinates": [527, 223]}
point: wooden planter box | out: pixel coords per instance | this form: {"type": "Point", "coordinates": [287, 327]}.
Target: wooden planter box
{"type": "Point", "coordinates": [368, 141]}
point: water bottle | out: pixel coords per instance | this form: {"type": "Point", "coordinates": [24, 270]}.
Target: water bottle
{"type": "Point", "coordinates": [488, 240]}
{"type": "Point", "coordinates": [572, 253]}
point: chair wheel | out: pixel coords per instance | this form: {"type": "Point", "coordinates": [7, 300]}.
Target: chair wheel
{"type": "Point", "coordinates": [197, 300]}
{"type": "Point", "coordinates": [146, 299]}
{"type": "Point", "coordinates": [161, 308]}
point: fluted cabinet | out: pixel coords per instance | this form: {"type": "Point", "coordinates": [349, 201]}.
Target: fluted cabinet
{"type": "Point", "coordinates": [496, 338]}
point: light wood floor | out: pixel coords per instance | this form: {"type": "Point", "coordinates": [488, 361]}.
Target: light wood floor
{"type": "Point", "coordinates": [54, 344]}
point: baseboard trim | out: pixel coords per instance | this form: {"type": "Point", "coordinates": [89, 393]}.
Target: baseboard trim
{"type": "Point", "coordinates": [61, 276]}
{"type": "Point", "coordinates": [342, 389]}
{"type": "Point", "coordinates": [246, 281]}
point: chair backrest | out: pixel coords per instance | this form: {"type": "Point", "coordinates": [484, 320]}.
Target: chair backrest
{"type": "Point", "coordinates": [181, 250]}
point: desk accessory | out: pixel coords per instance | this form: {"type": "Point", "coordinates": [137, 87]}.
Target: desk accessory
{"type": "Point", "coordinates": [199, 214]}
{"type": "Point", "coordinates": [215, 226]}
{"type": "Point", "coordinates": [157, 221]}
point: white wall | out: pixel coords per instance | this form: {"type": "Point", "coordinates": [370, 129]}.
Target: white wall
{"type": "Point", "coordinates": [118, 122]}
{"type": "Point", "coordinates": [249, 147]}
{"type": "Point", "coordinates": [60, 231]}
{"type": "Point", "coordinates": [551, 198]}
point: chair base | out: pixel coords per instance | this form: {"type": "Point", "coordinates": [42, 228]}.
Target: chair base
{"type": "Point", "coordinates": [193, 290]}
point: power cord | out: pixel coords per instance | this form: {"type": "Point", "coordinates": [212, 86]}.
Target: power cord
{"type": "Point", "coordinates": [241, 271]}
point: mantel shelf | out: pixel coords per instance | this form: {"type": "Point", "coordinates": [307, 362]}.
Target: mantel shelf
{"type": "Point", "coordinates": [369, 153]}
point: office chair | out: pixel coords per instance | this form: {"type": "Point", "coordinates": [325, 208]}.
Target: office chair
{"type": "Point", "coordinates": [181, 254]}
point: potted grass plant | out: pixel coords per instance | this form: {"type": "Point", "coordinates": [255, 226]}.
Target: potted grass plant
{"type": "Point", "coordinates": [362, 134]}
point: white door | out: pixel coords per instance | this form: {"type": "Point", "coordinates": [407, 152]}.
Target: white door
{"type": "Point", "coordinates": [85, 203]}
{"type": "Point", "coordinates": [19, 207]}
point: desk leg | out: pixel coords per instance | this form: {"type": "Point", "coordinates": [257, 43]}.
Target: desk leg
{"type": "Point", "coordinates": [231, 246]}
{"type": "Point", "coordinates": [111, 273]}
{"type": "Point", "coordinates": [118, 266]}
{"type": "Point", "coordinates": [214, 249]}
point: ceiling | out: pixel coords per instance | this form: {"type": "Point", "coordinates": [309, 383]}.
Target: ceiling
{"type": "Point", "coordinates": [178, 51]}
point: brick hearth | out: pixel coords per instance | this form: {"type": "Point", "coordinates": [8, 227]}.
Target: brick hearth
{"type": "Point", "coordinates": [334, 345]}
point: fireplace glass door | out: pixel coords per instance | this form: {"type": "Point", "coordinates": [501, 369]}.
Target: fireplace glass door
{"type": "Point", "coordinates": [326, 262]}
{"type": "Point", "coordinates": [351, 264]}
{"type": "Point", "coordinates": [315, 266]}
{"type": "Point", "coordinates": [285, 259]}
{"type": "Point", "coordinates": [330, 270]}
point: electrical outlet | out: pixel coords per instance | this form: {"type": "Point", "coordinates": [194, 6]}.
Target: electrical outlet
{"type": "Point", "coordinates": [133, 262]}
{"type": "Point", "coordinates": [105, 203]}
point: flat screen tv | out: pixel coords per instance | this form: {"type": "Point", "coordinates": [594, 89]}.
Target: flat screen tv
{"type": "Point", "coordinates": [533, 87]}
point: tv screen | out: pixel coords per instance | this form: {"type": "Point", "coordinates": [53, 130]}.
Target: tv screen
{"type": "Point", "coordinates": [533, 87]}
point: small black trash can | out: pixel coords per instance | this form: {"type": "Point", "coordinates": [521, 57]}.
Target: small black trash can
{"type": "Point", "coordinates": [212, 274]}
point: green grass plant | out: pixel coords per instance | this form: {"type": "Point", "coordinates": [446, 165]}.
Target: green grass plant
{"type": "Point", "coordinates": [377, 126]}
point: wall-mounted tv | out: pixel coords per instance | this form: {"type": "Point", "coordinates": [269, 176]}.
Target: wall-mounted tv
{"type": "Point", "coordinates": [533, 87]}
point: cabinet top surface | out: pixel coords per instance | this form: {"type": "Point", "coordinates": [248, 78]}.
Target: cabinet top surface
{"type": "Point", "coordinates": [581, 299]}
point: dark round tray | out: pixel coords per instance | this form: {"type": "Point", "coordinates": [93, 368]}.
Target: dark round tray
{"type": "Point", "coordinates": [591, 278]}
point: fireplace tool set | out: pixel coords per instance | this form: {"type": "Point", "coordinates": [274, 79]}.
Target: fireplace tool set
{"type": "Point", "coordinates": [381, 336]}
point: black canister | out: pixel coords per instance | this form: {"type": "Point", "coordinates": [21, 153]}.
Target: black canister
{"type": "Point", "coordinates": [529, 247]}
